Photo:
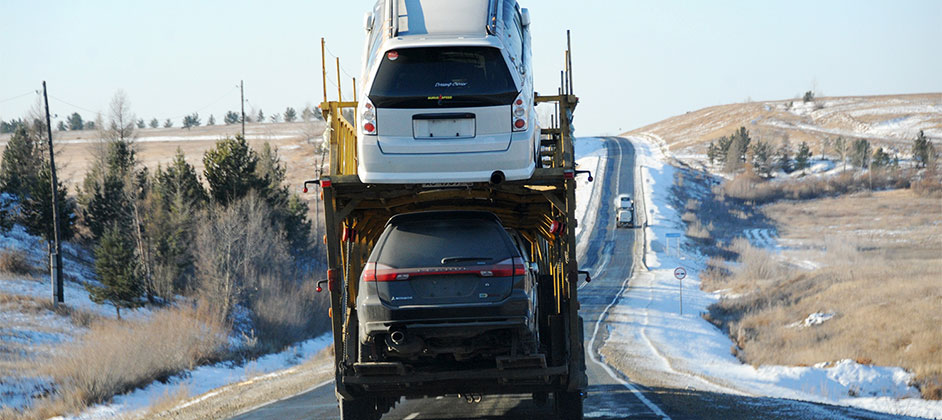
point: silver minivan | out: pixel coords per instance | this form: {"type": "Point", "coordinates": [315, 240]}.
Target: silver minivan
{"type": "Point", "coordinates": [447, 93]}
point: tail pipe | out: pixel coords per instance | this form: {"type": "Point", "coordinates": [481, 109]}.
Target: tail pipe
{"type": "Point", "coordinates": [497, 178]}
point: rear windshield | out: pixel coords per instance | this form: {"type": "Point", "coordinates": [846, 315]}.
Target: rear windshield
{"type": "Point", "coordinates": [442, 78]}
{"type": "Point", "coordinates": [464, 242]}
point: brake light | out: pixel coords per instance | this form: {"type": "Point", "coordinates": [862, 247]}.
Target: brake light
{"type": "Point", "coordinates": [510, 267]}
{"type": "Point", "coordinates": [519, 113]}
{"type": "Point", "coordinates": [382, 272]}
{"type": "Point", "coordinates": [368, 117]}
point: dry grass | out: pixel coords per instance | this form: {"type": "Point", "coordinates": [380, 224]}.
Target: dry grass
{"type": "Point", "coordinates": [880, 265]}
{"type": "Point", "coordinates": [118, 356]}
{"type": "Point", "coordinates": [15, 261]}
{"type": "Point", "coordinates": [751, 188]}
{"type": "Point", "coordinates": [287, 314]}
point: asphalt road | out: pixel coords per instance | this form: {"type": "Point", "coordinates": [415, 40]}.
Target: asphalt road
{"type": "Point", "coordinates": [609, 256]}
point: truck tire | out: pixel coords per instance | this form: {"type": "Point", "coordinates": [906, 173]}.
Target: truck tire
{"type": "Point", "coordinates": [568, 405]}
{"type": "Point", "coordinates": [363, 408]}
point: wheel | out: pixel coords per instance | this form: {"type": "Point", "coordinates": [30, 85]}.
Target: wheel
{"type": "Point", "coordinates": [363, 408]}
{"type": "Point", "coordinates": [568, 405]}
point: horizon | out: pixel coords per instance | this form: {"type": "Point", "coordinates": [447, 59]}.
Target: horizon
{"type": "Point", "coordinates": [773, 51]}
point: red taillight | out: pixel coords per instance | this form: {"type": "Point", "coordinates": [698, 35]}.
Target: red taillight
{"type": "Point", "coordinates": [569, 174]}
{"type": "Point", "coordinates": [325, 183]}
{"type": "Point", "coordinates": [369, 127]}
{"type": "Point", "coordinates": [520, 123]}
{"type": "Point", "coordinates": [519, 113]}
{"type": "Point", "coordinates": [519, 102]}
{"type": "Point", "coordinates": [509, 267]}
{"type": "Point", "coordinates": [382, 272]}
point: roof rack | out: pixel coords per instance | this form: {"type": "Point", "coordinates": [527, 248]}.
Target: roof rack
{"type": "Point", "coordinates": [392, 15]}
{"type": "Point", "coordinates": [493, 8]}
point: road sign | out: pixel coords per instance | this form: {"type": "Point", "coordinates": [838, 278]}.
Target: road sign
{"type": "Point", "coordinates": [673, 235]}
{"type": "Point", "coordinates": [680, 273]}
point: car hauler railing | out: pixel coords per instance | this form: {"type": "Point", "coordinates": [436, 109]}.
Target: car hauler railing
{"type": "Point", "coordinates": [541, 208]}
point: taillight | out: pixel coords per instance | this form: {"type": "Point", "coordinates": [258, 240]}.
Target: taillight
{"type": "Point", "coordinates": [509, 267]}
{"type": "Point", "coordinates": [519, 113]}
{"type": "Point", "coordinates": [368, 117]}
{"type": "Point", "coordinates": [382, 272]}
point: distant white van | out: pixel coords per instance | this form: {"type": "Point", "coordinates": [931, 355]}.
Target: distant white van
{"type": "Point", "coordinates": [447, 93]}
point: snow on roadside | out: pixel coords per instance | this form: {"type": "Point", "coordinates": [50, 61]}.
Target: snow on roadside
{"type": "Point", "coordinates": [590, 155]}
{"type": "Point", "coordinates": [688, 346]}
{"type": "Point", "coordinates": [201, 382]}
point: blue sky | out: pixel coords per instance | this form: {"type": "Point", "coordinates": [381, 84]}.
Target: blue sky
{"type": "Point", "coordinates": [635, 62]}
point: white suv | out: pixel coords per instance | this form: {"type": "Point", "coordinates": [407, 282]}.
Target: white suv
{"type": "Point", "coordinates": [447, 93]}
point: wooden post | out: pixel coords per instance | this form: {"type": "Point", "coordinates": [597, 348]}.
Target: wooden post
{"type": "Point", "coordinates": [56, 257]}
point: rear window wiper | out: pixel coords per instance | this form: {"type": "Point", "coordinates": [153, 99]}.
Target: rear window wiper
{"type": "Point", "coordinates": [447, 260]}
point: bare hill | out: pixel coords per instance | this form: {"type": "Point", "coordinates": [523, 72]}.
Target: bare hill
{"type": "Point", "coordinates": [890, 121]}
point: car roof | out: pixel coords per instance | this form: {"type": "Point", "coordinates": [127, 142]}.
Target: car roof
{"type": "Point", "coordinates": [443, 215]}
{"type": "Point", "coordinates": [443, 17]}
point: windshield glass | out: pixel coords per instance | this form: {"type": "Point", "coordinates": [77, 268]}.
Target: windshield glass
{"type": "Point", "coordinates": [435, 243]}
{"type": "Point", "coordinates": [442, 77]}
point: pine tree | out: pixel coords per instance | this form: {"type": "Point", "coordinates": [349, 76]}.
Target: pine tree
{"type": "Point", "coordinates": [231, 118]}
{"type": "Point", "coordinates": [762, 157]}
{"type": "Point", "coordinates": [180, 180]}
{"type": "Point", "coordinates": [211, 120]}
{"type": "Point", "coordinates": [36, 208]}
{"type": "Point", "coordinates": [261, 116]}
{"type": "Point", "coordinates": [739, 145]}
{"type": "Point", "coordinates": [803, 156]}
{"type": "Point", "coordinates": [61, 126]}
{"type": "Point", "coordinates": [116, 267]}
{"type": "Point", "coordinates": [711, 153]}
{"type": "Point", "coordinates": [783, 158]}
{"type": "Point", "coordinates": [22, 159]}
{"type": "Point", "coordinates": [307, 114]}
{"type": "Point", "coordinates": [75, 122]}
{"type": "Point", "coordinates": [154, 123]}
{"type": "Point", "coordinates": [168, 123]}
{"type": "Point", "coordinates": [290, 114]}
{"type": "Point", "coordinates": [923, 150]}
{"type": "Point", "coordinates": [860, 153]}
{"type": "Point", "coordinates": [229, 169]}
{"type": "Point", "coordinates": [881, 159]}
{"type": "Point", "coordinates": [141, 123]}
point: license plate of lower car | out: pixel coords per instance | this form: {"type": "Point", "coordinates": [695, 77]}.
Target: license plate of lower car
{"type": "Point", "coordinates": [443, 128]}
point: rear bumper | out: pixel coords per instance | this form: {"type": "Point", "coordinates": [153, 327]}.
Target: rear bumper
{"type": "Point", "coordinates": [376, 318]}
{"type": "Point", "coordinates": [516, 162]}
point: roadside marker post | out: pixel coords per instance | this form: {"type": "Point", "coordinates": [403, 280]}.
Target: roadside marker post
{"type": "Point", "coordinates": [680, 273]}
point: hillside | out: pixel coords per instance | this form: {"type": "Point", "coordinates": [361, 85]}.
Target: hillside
{"type": "Point", "coordinates": [890, 121]}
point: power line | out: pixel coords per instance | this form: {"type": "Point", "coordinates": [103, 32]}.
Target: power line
{"type": "Point", "coordinates": [19, 96]}
{"type": "Point", "coordinates": [342, 68]}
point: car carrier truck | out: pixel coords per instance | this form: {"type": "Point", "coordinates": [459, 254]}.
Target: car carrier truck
{"type": "Point", "coordinates": [539, 211]}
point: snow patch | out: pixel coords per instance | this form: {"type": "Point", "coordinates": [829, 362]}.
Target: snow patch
{"type": "Point", "coordinates": [816, 318]}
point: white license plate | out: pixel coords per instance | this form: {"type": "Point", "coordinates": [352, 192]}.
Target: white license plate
{"type": "Point", "coordinates": [453, 128]}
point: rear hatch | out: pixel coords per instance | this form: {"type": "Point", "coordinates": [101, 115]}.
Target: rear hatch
{"type": "Point", "coordinates": [444, 262]}
{"type": "Point", "coordinates": [443, 100]}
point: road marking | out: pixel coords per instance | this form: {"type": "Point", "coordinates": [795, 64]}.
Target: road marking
{"type": "Point", "coordinates": [248, 410]}
{"type": "Point", "coordinates": [634, 390]}
{"type": "Point", "coordinates": [606, 258]}
{"type": "Point", "coordinates": [411, 416]}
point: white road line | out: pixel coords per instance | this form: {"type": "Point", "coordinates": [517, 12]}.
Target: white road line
{"type": "Point", "coordinates": [411, 416]}
{"type": "Point", "coordinates": [598, 322]}
{"type": "Point", "coordinates": [611, 233]}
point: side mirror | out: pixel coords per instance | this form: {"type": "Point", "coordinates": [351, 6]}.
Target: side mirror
{"type": "Point", "coordinates": [525, 17]}
{"type": "Point", "coordinates": [588, 277]}
{"type": "Point", "coordinates": [368, 21]}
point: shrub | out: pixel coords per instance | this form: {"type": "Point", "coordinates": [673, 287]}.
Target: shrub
{"type": "Point", "coordinates": [15, 261]}
{"type": "Point", "coordinates": [117, 356]}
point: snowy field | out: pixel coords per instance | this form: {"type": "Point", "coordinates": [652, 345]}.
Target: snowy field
{"type": "Point", "coordinates": [42, 331]}
{"type": "Point", "coordinates": [648, 319]}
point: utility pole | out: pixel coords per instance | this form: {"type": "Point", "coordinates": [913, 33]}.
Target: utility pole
{"type": "Point", "coordinates": [55, 260]}
{"type": "Point", "coordinates": [242, 95]}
